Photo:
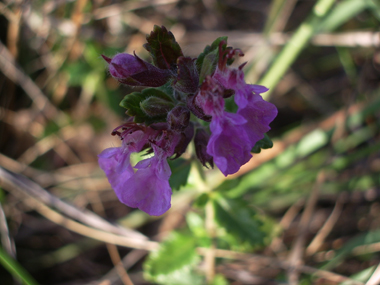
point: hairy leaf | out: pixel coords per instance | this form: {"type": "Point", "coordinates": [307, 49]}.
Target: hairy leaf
{"type": "Point", "coordinates": [174, 262]}
{"type": "Point", "coordinates": [163, 48]}
{"type": "Point", "coordinates": [239, 220]}
{"type": "Point", "coordinates": [132, 102]}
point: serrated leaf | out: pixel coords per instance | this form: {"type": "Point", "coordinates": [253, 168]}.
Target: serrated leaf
{"type": "Point", "coordinates": [163, 48]}
{"type": "Point", "coordinates": [239, 220]}
{"type": "Point", "coordinates": [180, 172]}
{"type": "Point", "coordinates": [187, 78]}
{"type": "Point", "coordinates": [264, 143]}
{"type": "Point", "coordinates": [174, 261]}
{"type": "Point", "coordinates": [132, 102]}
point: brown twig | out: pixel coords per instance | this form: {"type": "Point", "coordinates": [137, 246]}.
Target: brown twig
{"type": "Point", "coordinates": [115, 257]}
{"type": "Point", "coordinates": [6, 240]}
{"type": "Point", "coordinates": [150, 245]}
{"type": "Point", "coordinates": [284, 264]}
{"type": "Point", "coordinates": [285, 222]}
{"type": "Point", "coordinates": [22, 184]}
{"type": "Point", "coordinates": [112, 249]}
{"type": "Point", "coordinates": [128, 261]}
{"type": "Point", "coordinates": [296, 253]}
{"type": "Point", "coordinates": [326, 228]}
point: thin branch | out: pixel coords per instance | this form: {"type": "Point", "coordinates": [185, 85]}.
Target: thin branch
{"type": "Point", "coordinates": [6, 240]}
{"type": "Point", "coordinates": [326, 228]}
{"type": "Point", "coordinates": [296, 254]}
{"type": "Point", "coordinates": [115, 257]}
{"type": "Point", "coordinates": [22, 184]}
{"type": "Point", "coordinates": [275, 262]}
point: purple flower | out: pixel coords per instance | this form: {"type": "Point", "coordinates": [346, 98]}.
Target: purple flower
{"type": "Point", "coordinates": [132, 70]}
{"type": "Point", "coordinates": [115, 161]}
{"type": "Point", "coordinates": [148, 188]}
{"type": "Point", "coordinates": [229, 144]}
{"type": "Point", "coordinates": [233, 135]}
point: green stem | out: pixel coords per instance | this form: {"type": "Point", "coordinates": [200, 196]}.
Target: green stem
{"type": "Point", "coordinates": [295, 45]}
{"type": "Point", "coordinates": [15, 268]}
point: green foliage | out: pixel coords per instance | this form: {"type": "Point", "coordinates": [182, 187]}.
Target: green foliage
{"type": "Point", "coordinates": [174, 262]}
{"type": "Point", "coordinates": [264, 143]}
{"type": "Point", "coordinates": [163, 48]}
{"type": "Point", "coordinates": [208, 59]}
{"type": "Point", "coordinates": [196, 225]}
{"type": "Point", "coordinates": [180, 172]}
{"type": "Point", "coordinates": [219, 280]}
{"type": "Point", "coordinates": [238, 219]}
{"type": "Point", "coordinates": [132, 102]}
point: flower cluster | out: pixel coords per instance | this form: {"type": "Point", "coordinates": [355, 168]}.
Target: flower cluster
{"type": "Point", "coordinates": [187, 100]}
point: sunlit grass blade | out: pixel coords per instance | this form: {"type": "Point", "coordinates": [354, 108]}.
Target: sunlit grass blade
{"type": "Point", "coordinates": [295, 45]}
{"type": "Point", "coordinates": [15, 268]}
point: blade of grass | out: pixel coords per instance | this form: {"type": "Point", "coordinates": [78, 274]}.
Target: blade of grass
{"type": "Point", "coordinates": [15, 268]}
{"type": "Point", "coordinates": [295, 45]}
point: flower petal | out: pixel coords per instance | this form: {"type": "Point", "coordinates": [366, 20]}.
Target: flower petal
{"type": "Point", "coordinates": [259, 114]}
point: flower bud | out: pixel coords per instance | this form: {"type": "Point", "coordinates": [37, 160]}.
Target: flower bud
{"type": "Point", "coordinates": [195, 109]}
{"type": "Point", "coordinates": [132, 70]}
{"type": "Point", "coordinates": [186, 137]}
{"type": "Point", "coordinates": [156, 106]}
{"type": "Point", "coordinates": [200, 141]}
{"type": "Point", "coordinates": [178, 118]}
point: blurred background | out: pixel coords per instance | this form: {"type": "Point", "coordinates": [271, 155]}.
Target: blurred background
{"type": "Point", "coordinates": [306, 211]}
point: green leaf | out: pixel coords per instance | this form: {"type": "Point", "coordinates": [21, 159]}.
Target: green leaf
{"type": "Point", "coordinates": [163, 48]}
{"type": "Point", "coordinates": [239, 220]}
{"type": "Point", "coordinates": [208, 59]}
{"type": "Point", "coordinates": [219, 280]}
{"type": "Point", "coordinates": [180, 172]}
{"type": "Point", "coordinates": [264, 143]}
{"type": "Point", "coordinates": [155, 106]}
{"type": "Point", "coordinates": [174, 262]}
{"type": "Point", "coordinates": [201, 201]}
{"type": "Point", "coordinates": [132, 102]}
